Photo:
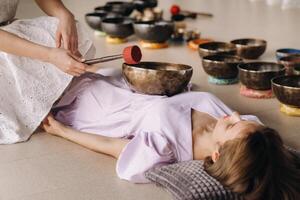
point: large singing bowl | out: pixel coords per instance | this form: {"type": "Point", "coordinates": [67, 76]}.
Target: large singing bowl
{"type": "Point", "coordinates": [157, 78]}
{"type": "Point", "coordinates": [258, 75]}
{"type": "Point", "coordinates": [154, 31]}
{"type": "Point", "coordinates": [287, 90]}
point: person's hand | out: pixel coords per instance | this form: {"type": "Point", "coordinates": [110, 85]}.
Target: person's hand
{"type": "Point", "coordinates": [53, 127]}
{"type": "Point", "coordinates": [66, 33]}
{"type": "Point", "coordinates": [66, 61]}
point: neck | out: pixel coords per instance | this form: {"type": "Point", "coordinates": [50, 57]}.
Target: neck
{"type": "Point", "coordinates": [203, 143]}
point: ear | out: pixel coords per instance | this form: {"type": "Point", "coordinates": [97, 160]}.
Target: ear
{"type": "Point", "coordinates": [215, 156]}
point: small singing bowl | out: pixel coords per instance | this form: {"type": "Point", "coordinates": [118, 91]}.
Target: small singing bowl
{"type": "Point", "coordinates": [287, 90]}
{"type": "Point", "coordinates": [290, 62]}
{"type": "Point", "coordinates": [157, 78]}
{"type": "Point", "coordinates": [154, 31]}
{"type": "Point", "coordinates": [117, 27]}
{"type": "Point", "coordinates": [121, 7]}
{"type": "Point", "coordinates": [94, 20]}
{"type": "Point", "coordinates": [249, 48]}
{"type": "Point", "coordinates": [211, 48]}
{"type": "Point", "coordinates": [258, 75]}
{"type": "Point", "coordinates": [286, 52]}
{"type": "Point", "coordinates": [221, 66]}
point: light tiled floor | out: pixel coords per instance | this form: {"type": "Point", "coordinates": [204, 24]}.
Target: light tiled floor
{"type": "Point", "coordinates": [46, 167]}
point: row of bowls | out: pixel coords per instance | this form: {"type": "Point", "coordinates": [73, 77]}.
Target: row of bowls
{"type": "Point", "coordinates": [156, 78]}
{"type": "Point", "coordinates": [225, 61]}
{"type": "Point", "coordinates": [121, 27]}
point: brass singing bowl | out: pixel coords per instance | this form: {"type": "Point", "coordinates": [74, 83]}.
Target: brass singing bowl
{"type": "Point", "coordinates": [287, 90]}
{"type": "Point", "coordinates": [250, 48]}
{"type": "Point", "coordinates": [221, 66]}
{"type": "Point", "coordinates": [258, 75]}
{"type": "Point", "coordinates": [211, 48]}
{"type": "Point", "coordinates": [157, 78]}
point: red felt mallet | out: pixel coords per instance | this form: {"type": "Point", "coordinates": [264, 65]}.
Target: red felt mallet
{"type": "Point", "coordinates": [175, 10]}
{"type": "Point", "coordinates": [131, 55]}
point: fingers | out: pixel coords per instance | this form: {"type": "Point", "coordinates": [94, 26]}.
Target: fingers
{"type": "Point", "coordinates": [66, 41]}
{"type": "Point", "coordinates": [58, 39]}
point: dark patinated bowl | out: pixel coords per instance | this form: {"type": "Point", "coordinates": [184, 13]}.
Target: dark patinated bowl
{"type": "Point", "coordinates": [287, 90]}
{"type": "Point", "coordinates": [286, 52]}
{"type": "Point", "coordinates": [121, 7]}
{"type": "Point", "coordinates": [290, 62]}
{"type": "Point", "coordinates": [141, 5]}
{"type": "Point", "coordinates": [94, 20]}
{"type": "Point", "coordinates": [221, 66]}
{"type": "Point", "coordinates": [258, 75]}
{"type": "Point", "coordinates": [211, 48]}
{"type": "Point", "coordinates": [154, 31]}
{"type": "Point", "coordinates": [105, 8]}
{"type": "Point", "coordinates": [157, 78]}
{"type": "Point", "coordinates": [118, 27]}
{"type": "Point", "coordinates": [250, 48]}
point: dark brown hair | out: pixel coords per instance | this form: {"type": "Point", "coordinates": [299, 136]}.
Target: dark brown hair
{"type": "Point", "coordinates": [258, 166]}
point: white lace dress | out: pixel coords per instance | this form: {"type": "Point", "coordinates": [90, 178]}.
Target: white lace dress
{"type": "Point", "coordinates": [28, 88]}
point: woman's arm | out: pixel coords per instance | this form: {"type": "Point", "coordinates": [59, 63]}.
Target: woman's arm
{"type": "Point", "coordinates": [63, 59]}
{"type": "Point", "coordinates": [98, 143]}
{"type": "Point", "coordinates": [66, 31]}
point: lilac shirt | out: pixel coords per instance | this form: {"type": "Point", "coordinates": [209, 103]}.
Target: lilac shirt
{"type": "Point", "coordinates": [159, 127]}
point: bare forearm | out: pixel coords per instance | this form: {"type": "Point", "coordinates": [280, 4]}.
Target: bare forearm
{"type": "Point", "coordinates": [53, 8]}
{"type": "Point", "coordinates": [98, 143]}
{"type": "Point", "coordinates": [12, 44]}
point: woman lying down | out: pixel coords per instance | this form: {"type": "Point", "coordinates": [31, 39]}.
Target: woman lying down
{"type": "Point", "coordinates": [143, 132]}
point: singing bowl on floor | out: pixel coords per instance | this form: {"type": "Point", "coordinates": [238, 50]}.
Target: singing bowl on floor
{"type": "Point", "coordinates": [117, 27]}
{"type": "Point", "coordinates": [250, 48]}
{"type": "Point", "coordinates": [290, 62]}
{"type": "Point", "coordinates": [221, 66]}
{"type": "Point", "coordinates": [157, 78]}
{"type": "Point", "coordinates": [94, 20]}
{"type": "Point", "coordinates": [120, 7]}
{"type": "Point", "coordinates": [258, 75]}
{"type": "Point", "coordinates": [287, 90]}
{"type": "Point", "coordinates": [286, 52]}
{"type": "Point", "coordinates": [154, 31]}
{"type": "Point", "coordinates": [211, 48]}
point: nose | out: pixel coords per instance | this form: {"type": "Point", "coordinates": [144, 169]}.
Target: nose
{"type": "Point", "coordinates": [235, 117]}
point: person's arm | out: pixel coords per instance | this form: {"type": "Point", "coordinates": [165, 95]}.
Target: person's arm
{"type": "Point", "coordinates": [63, 59]}
{"type": "Point", "coordinates": [66, 30]}
{"type": "Point", "coordinates": [98, 143]}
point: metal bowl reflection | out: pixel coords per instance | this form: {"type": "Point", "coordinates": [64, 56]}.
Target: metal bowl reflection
{"type": "Point", "coordinates": [157, 78]}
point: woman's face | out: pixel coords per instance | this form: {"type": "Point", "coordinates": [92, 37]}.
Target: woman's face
{"type": "Point", "coordinates": [231, 127]}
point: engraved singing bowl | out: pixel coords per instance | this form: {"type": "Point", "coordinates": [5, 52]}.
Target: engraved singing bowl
{"type": "Point", "coordinates": [154, 31]}
{"type": "Point", "coordinates": [258, 75]}
{"type": "Point", "coordinates": [221, 66]}
{"type": "Point", "coordinates": [250, 48]}
{"type": "Point", "coordinates": [157, 78]}
{"type": "Point", "coordinates": [287, 90]}
{"type": "Point", "coordinates": [211, 48]}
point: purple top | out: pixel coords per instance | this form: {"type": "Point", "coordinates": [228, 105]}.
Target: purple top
{"type": "Point", "coordinates": [159, 127]}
